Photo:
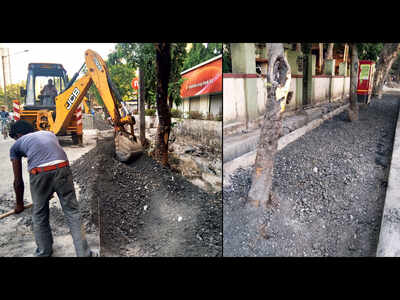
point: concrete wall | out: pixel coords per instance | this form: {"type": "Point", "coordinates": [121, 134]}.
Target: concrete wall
{"type": "Point", "coordinates": [151, 122]}
{"type": "Point", "coordinates": [261, 96]}
{"type": "Point", "coordinates": [204, 105]}
{"type": "Point", "coordinates": [185, 106]}
{"type": "Point", "coordinates": [243, 58]}
{"type": "Point", "coordinates": [234, 104]}
{"type": "Point", "coordinates": [389, 236]}
{"type": "Point", "coordinates": [323, 88]}
{"type": "Point", "coordinates": [201, 104]}
{"type": "Point", "coordinates": [87, 121]}
{"type": "Point", "coordinates": [216, 104]}
{"type": "Point", "coordinates": [199, 131]}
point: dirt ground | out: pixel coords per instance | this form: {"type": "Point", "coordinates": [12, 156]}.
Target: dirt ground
{"type": "Point", "coordinates": [331, 183]}
{"type": "Point", "coordinates": [146, 209]}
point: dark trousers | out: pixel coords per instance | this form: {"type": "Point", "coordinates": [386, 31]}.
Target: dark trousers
{"type": "Point", "coordinates": [43, 185]}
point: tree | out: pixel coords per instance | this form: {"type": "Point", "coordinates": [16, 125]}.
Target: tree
{"type": "Point", "coordinates": [395, 70]}
{"type": "Point", "coordinates": [139, 55]}
{"type": "Point", "coordinates": [13, 93]}
{"type": "Point", "coordinates": [369, 51]}
{"type": "Point", "coordinates": [329, 51]}
{"type": "Point", "coordinates": [143, 55]}
{"type": "Point", "coordinates": [163, 68]}
{"type": "Point", "coordinates": [178, 56]}
{"type": "Point", "coordinates": [200, 53]}
{"type": "Point", "coordinates": [353, 107]}
{"type": "Point", "coordinates": [387, 57]}
{"type": "Point", "coordinates": [122, 75]}
{"type": "Point", "coordinates": [226, 58]}
{"type": "Point", "coordinates": [261, 184]}
{"type": "Point", "coordinates": [155, 88]}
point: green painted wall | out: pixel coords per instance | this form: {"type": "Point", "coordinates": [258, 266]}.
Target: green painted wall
{"type": "Point", "coordinates": [244, 61]}
{"type": "Point", "coordinates": [294, 60]}
{"type": "Point", "coordinates": [329, 67]}
{"type": "Point", "coordinates": [243, 58]}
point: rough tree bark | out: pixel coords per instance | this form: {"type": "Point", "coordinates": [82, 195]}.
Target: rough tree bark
{"type": "Point", "coordinates": [329, 51]}
{"type": "Point", "coordinates": [386, 58]}
{"type": "Point", "coordinates": [260, 191]}
{"type": "Point", "coordinates": [163, 67]}
{"type": "Point", "coordinates": [320, 58]}
{"type": "Point", "coordinates": [353, 107]}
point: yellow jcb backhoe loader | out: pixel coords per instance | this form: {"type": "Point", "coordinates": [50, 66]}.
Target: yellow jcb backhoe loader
{"type": "Point", "coordinates": [58, 114]}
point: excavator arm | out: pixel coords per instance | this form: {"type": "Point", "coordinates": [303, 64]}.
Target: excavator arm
{"type": "Point", "coordinates": [85, 104]}
{"type": "Point", "coordinates": [126, 144]}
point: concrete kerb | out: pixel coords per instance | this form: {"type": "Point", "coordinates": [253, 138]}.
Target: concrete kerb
{"type": "Point", "coordinates": [243, 154]}
{"type": "Point", "coordinates": [389, 236]}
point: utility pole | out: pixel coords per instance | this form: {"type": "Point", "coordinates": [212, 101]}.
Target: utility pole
{"type": "Point", "coordinates": [142, 119]}
{"type": "Point", "coordinates": [3, 60]}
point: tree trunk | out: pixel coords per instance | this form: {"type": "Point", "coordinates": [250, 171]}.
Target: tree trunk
{"type": "Point", "coordinates": [163, 68]}
{"type": "Point", "coordinates": [386, 58]}
{"type": "Point", "coordinates": [170, 102]}
{"type": "Point", "coordinates": [353, 108]}
{"type": "Point", "coordinates": [142, 118]}
{"type": "Point", "coordinates": [320, 58]}
{"type": "Point", "coordinates": [345, 53]}
{"type": "Point", "coordinates": [329, 52]}
{"type": "Point", "coordinates": [307, 77]}
{"type": "Point", "coordinates": [260, 191]}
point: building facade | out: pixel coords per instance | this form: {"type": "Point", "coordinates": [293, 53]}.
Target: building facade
{"type": "Point", "coordinates": [201, 90]}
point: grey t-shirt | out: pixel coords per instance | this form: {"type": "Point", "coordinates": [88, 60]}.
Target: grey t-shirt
{"type": "Point", "coordinates": [39, 147]}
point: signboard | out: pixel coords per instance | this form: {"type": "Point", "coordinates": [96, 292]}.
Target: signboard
{"type": "Point", "coordinates": [135, 83]}
{"type": "Point", "coordinates": [205, 79]}
{"type": "Point", "coordinates": [364, 72]}
{"type": "Point", "coordinates": [365, 77]}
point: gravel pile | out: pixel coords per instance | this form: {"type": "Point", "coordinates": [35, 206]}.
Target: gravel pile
{"type": "Point", "coordinates": [145, 209]}
{"type": "Point", "coordinates": [331, 183]}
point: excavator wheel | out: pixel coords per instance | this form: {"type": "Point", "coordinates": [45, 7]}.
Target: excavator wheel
{"type": "Point", "coordinates": [125, 148]}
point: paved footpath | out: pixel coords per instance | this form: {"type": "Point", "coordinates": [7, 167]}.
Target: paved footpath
{"type": "Point", "coordinates": [331, 183]}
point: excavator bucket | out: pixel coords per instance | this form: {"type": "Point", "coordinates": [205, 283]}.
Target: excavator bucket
{"type": "Point", "coordinates": [125, 148]}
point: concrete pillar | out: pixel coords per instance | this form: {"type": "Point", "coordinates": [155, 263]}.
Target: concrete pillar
{"type": "Point", "coordinates": [308, 72]}
{"type": "Point", "coordinates": [329, 68]}
{"type": "Point", "coordinates": [343, 69]}
{"type": "Point", "coordinates": [243, 58]}
{"type": "Point", "coordinates": [244, 62]}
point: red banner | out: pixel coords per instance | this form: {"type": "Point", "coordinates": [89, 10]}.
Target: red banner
{"type": "Point", "coordinates": [203, 80]}
{"type": "Point", "coordinates": [365, 77]}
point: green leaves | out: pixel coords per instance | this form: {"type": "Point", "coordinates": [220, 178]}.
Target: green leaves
{"type": "Point", "coordinates": [369, 51]}
{"type": "Point", "coordinates": [13, 91]}
{"type": "Point", "coordinates": [200, 53]}
{"type": "Point", "coordinates": [122, 76]}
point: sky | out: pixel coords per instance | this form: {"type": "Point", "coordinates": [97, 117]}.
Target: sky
{"type": "Point", "coordinates": [70, 55]}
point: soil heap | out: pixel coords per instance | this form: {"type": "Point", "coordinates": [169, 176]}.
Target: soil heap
{"type": "Point", "coordinates": [145, 209]}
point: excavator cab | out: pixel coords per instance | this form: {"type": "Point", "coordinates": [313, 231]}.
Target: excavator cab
{"type": "Point", "coordinates": [59, 111]}
{"type": "Point", "coordinates": [38, 77]}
